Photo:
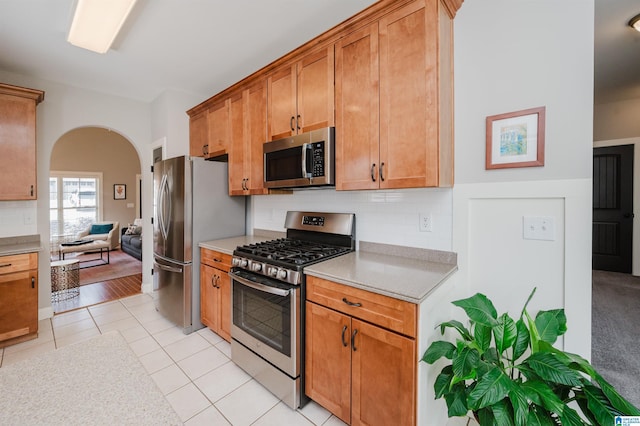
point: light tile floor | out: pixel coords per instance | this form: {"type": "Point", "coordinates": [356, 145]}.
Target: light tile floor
{"type": "Point", "coordinates": [194, 371]}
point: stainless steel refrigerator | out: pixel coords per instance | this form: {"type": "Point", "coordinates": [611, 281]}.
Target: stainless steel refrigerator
{"type": "Point", "coordinates": [191, 205]}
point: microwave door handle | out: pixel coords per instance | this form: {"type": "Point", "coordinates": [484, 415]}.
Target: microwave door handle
{"type": "Point", "coordinates": [260, 287]}
{"type": "Point", "coordinates": [305, 147]}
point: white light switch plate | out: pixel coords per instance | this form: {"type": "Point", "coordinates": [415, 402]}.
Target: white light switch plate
{"type": "Point", "coordinates": [539, 228]}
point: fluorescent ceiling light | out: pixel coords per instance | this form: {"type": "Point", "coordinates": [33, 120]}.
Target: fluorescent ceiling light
{"type": "Point", "coordinates": [96, 23]}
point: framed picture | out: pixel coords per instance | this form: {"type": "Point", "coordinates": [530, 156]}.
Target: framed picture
{"type": "Point", "coordinates": [515, 139]}
{"type": "Point", "coordinates": [119, 191]}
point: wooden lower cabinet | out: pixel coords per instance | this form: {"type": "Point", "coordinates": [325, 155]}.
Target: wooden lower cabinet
{"type": "Point", "coordinates": [362, 373]}
{"type": "Point", "coordinates": [215, 293]}
{"type": "Point", "coordinates": [18, 298]}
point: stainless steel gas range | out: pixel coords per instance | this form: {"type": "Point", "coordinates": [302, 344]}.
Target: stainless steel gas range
{"type": "Point", "coordinates": [268, 293]}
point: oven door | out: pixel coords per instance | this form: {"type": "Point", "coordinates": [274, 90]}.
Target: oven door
{"type": "Point", "coordinates": [266, 319]}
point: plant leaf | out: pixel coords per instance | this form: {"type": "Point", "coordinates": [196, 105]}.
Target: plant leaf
{"type": "Point", "coordinates": [503, 414]}
{"type": "Point", "coordinates": [533, 332]}
{"type": "Point", "coordinates": [456, 401]}
{"type": "Point", "coordinates": [505, 333]}
{"type": "Point", "coordinates": [491, 388]}
{"type": "Point", "coordinates": [549, 367]}
{"type": "Point", "coordinates": [569, 417]}
{"type": "Point", "coordinates": [623, 406]}
{"type": "Point", "coordinates": [466, 335]}
{"type": "Point", "coordinates": [437, 350]}
{"type": "Point", "coordinates": [551, 324]}
{"type": "Point", "coordinates": [485, 417]}
{"type": "Point", "coordinates": [520, 405]}
{"type": "Point", "coordinates": [539, 416]}
{"type": "Point", "coordinates": [482, 335]}
{"type": "Point", "coordinates": [541, 394]}
{"type": "Point", "coordinates": [465, 363]}
{"type": "Point", "coordinates": [599, 405]}
{"type": "Point", "coordinates": [522, 340]}
{"type": "Point", "coordinates": [443, 381]}
{"type": "Point", "coordinates": [480, 309]}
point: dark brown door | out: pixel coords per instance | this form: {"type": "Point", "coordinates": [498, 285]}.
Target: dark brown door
{"type": "Point", "coordinates": [613, 208]}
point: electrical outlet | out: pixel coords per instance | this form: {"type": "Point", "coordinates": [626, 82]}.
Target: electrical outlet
{"type": "Point", "coordinates": [426, 223]}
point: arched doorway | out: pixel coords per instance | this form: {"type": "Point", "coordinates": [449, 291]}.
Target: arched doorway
{"type": "Point", "coordinates": [94, 177]}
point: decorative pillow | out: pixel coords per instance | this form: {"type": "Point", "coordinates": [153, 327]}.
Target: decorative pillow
{"type": "Point", "coordinates": [133, 230]}
{"type": "Point", "coordinates": [101, 228]}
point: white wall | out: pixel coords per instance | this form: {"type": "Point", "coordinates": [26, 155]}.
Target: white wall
{"type": "Point", "coordinates": [616, 120]}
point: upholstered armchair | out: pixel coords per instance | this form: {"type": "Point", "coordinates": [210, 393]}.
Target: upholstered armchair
{"type": "Point", "coordinates": [107, 231]}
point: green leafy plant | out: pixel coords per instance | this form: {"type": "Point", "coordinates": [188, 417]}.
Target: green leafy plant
{"type": "Point", "coordinates": [508, 373]}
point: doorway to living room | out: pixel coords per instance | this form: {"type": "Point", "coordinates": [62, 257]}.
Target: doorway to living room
{"type": "Point", "coordinates": [94, 201]}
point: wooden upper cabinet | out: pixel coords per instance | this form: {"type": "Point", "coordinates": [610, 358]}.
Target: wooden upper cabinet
{"type": "Point", "coordinates": [394, 101]}
{"type": "Point", "coordinates": [219, 128]}
{"type": "Point", "coordinates": [301, 96]}
{"type": "Point", "coordinates": [357, 110]}
{"type": "Point", "coordinates": [18, 160]}
{"type": "Point", "coordinates": [199, 134]}
{"type": "Point", "coordinates": [248, 127]}
{"type": "Point", "coordinates": [409, 96]}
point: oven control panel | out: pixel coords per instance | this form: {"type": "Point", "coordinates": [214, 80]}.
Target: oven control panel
{"type": "Point", "coordinates": [268, 270]}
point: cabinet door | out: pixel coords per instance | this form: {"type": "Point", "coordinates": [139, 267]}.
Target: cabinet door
{"type": "Point", "coordinates": [409, 96]}
{"type": "Point", "coordinates": [17, 148]}
{"type": "Point", "coordinates": [236, 149]}
{"type": "Point", "coordinates": [282, 103]}
{"type": "Point", "coordinates": [383, 377]}
{"type": "Point", "coordinates": [18, 304]}
{"type": "Point", "coordinates": [219, 128]}
{"type": "Point", "coordinates": [208, 309]}
{"type": "Point", "coordinates": [224, 308]}
{"type": "Point", "coordinates": [328, 360]}
{"type": "Point", "coordinates": [315, 91]}
{"type": "Point", "coordinates": [256, 128]}
{"type": "Point", "coordinates": [198, 135]}
{"type": "Point", "coordinates": [357, 110]}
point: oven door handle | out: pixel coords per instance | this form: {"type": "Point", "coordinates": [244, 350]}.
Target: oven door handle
{"type": "Point", "coordinates": [260, 287]}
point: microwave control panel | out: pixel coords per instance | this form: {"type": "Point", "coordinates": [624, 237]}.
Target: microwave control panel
{"type": "Point", "coordinates": [318, 159]}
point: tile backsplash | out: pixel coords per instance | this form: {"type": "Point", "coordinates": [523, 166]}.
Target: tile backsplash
{"type": "Point", "coordinates": [18, 218]}
{"type": "Point", "coordinates": [383, 216]}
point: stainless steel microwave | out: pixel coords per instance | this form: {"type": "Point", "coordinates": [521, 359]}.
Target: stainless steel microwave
{"type": "Point", "coordinates": [305, 160]}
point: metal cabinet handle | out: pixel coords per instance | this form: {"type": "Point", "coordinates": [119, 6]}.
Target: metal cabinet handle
{"type": "Point", "coordinates": [373, 169]}
{"type": "Point", "coordinates": [4, 265]}
{"type": "Point", "coordinates": [291, 124]}
{"type": "Point", "coordinates": [213, 281]}
{"type": "Point", "coordinates": [344, 342]}
{"type": "Point", "coordinates": [32, 190]}
{"type": "Point", "coordinates": [381, 172]}
{"type": "Point", "coordinates": [353, 340]}
{"type": "Point", "coordinates": [205, 149]}
{"type": "Point", "coordinates": [355, 305]}
{"type": "Point", "coordinates": [298, 122]}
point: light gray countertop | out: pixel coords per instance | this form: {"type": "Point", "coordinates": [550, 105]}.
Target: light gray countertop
{"type": "Point", "coordinates": [405, 273]}
{"type": "Point", "coordinates": [20, 245]}
{"type": "Point", "coordinates": [400, 272]}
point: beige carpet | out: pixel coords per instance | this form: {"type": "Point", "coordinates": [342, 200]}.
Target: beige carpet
{"type": "Point", "coordinates": [95, 382]}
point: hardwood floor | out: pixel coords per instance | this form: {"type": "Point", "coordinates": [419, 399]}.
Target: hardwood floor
{"type": "Point", "coordinates": [100, 292]}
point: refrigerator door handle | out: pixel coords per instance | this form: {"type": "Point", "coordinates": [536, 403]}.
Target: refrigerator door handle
{"type": "Point", "coordinates": [164, 198]}
{"type": "Point", "coordinates": [167, 268]}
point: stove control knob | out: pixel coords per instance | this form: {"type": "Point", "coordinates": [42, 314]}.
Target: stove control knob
{"type": "Point", "coordinates": [282, 274]}
{"type": "Point", "coordinates": [273, 272]}
{"type": "Point", "coordinates": [235, 261]}
{"type": "Point", "coordinates": [256, 267]}
{"type": "Point", "coordinates": [244, 263]}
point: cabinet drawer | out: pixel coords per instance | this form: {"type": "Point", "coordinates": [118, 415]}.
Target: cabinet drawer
{"type": "Point", "coordinates": [215, 259]}
{"type": "Point", "coordinates": [392, 314]}
{"type": "Point", "coordinates": [18, 262]}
